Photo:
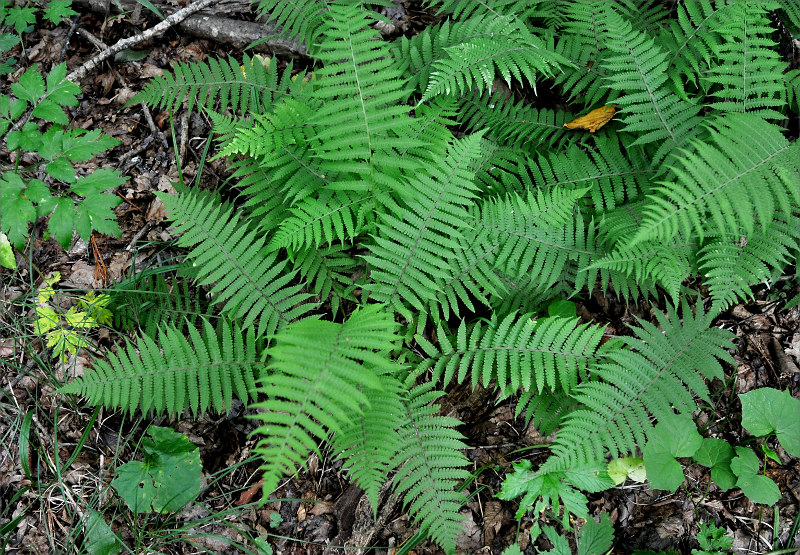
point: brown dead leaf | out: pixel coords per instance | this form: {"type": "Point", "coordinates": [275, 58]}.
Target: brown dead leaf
{"type": "Point", "coordinates": [594, 120]}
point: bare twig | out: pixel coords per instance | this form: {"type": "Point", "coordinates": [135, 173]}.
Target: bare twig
{"type": "Point", "coordinates": [121, 45]}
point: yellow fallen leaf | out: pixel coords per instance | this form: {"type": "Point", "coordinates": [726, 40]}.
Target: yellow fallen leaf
{"type": "Point", "coordinates": [594, 120]}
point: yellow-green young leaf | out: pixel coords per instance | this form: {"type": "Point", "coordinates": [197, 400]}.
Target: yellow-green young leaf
{"type": "Point", "coordinates": [7, 258]}
{"type": "Point", "coordinates": [63, 341]}
{"type": "Point", "coordinates": [79, 319]}
{"type": "Point", "coordinates": [623, 468]}
{"type": "Point", "coordinates": [46, 319]}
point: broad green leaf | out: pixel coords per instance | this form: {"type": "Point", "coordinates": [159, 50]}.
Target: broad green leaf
{"type": "Point", "coordinates": [98, 181]}
{"type": "Point", "coordinates": [99, 538]}
{"type": "Point", "coordinates": [757, 487]}
{"type": "Point", "coordinates": [46, 319]}
{"type": "Point", "coordinates": [674, 436]}
{"type": "Point", "coordinates": [590, 477]}
{"type": "Point", "coordinates": [168, 479]}
{"type": "Point", "coordinates": [81, 147]}
{"type": "Point", "coordinates": [30, 86]}
{"type": "Point", "coordinates": [17, 211]}
{"type": "Point", "coordinates": [768, 410]}
{"type": "Point", "coordinates": [60, 91]}
{"type": "Point", "coordinates": [565, 309]}
{"type": "Point", "coordinates": [717, 455]}
{"type": "Point", "coordinates": [58, 9]}
{"type": "Point", "coordinates": [96, 213]}
{"type": "Point", "coordinates": [62, 221]}
{"type": "Point", "coordinates": [60, 168]}
{"type": "Point", "coordinates": [50, 111]}
{"type": "Point", "coordinates": [21, 18]}
{"type": "Point", "coordinates": [596, 537]}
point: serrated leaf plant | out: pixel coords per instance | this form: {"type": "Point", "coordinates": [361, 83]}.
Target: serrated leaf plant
{"type": "Point", "coordinates": [397, 224]}
{"type": "Point", "coordinates": [35, 126]}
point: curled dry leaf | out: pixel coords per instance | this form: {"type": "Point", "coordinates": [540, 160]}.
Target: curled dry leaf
{"type": "Point", "coordinates": [594, 120]}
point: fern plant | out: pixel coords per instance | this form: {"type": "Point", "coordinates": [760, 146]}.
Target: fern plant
{"type": "Point", "coordinates": [401, 226]}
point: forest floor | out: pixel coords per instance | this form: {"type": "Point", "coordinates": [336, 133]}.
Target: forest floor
{"type": "Point", "coordinates": [316, 507]}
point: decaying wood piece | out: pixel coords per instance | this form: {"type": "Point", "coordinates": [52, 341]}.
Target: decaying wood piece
{"type": "Point", "coordinates": [129, 42]}
{"type": "Point", "coordinates": [216, 27]}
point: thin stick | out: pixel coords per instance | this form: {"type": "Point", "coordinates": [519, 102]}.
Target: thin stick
{"type": "Point", "coordinates": [121, 45]}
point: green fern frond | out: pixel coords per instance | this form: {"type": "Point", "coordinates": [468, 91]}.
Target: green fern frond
{"type": "Point", "coordinates": [147, 301]}
{"type": "Point", "coordinates": [408, 255]}
{"type": "Point", "coordinates": [748, 68]}
{"type": "Point", "coordinates": [339, 218]}
{"type": "Point", "coordinates": [546, 409]}
{"type": "Point", "coordinates": [318, 374]}
{"type": "Point", "coordinates": [659, 374]}
{"type": "Point", "coordinates": [264, 201]}
{"type": "Point", "coordinates": [368, 439]}
{"type": "Point", "coordinates": [638, 71]}
{"type": "Point", "coordinates": [471, 9]}
{"type": "Point", "coordinates": [519, 352]}
{"type": "Point", "coordinates": [731, 263]}
{"type": "Point", "coordinates": [176, 372]}
{"type": "Point", "coordinates": [513, 124]}
{"type": "Point", "coordinates": [327, 271]}
{"type": "Point", "coordinates": [790, 14]}
{"type": "Point", "coordinates": [429, 450]}
{"type": "Point", "coordinates": [472, 65]}
{"type": "Point", "coordinates": [284, 127]}
{"type": "Point", "coordinates": [360, 123]}
{"type": "Point", "coordinates": [252, 284]}
{"type": "Point", "coordinates": [692, 39]}
{"type": "Point", "coordinates": [244, 88]}
{"type": "Point", "coordinates": [614, 176]}
{"type": "Point", "coordinates": [745, 173]}
{"type": "Point", "coordinates": [297, 20]}
{"type": "Point", "coordinates": [793, 90]}
{"type": "Point", "coordinates": [582, 42]}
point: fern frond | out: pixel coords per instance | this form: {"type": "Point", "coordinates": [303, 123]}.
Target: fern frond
{"type": "Point", "coordinates": [246, 87]}
{"type": "Point", "coordinates": [748, 68]}
{"type": "Point", "coordinates": [368, 438]}
{"type": "Point", "coordinates": [327, 271]}
{"type": "Point", "coordinates": [264, 200]}
{"type": "Point", "coordinates": [731, 263]}
{"type": "Point", "coordinates": [546, 409]}
{"type": "Point", "coordinates": [513, 124]}
{"type": "Point", "coordinates": [745, 173]}
{"type": "Point", "coordinates": [659, 374]}
{"type": "Point", "coordinates": [429, 450]}
{"type": "Point", "coordinates": [471, 9]}
{"type": "Point", "coordinates": [318, 374]}
{"type": "Point", "coordinates": [409, 253]}
{"type": "Point", "coordinates": [338, 218]}
{"type": "Point", "coordinates": [638, 71]}
{"type": "Point", "coordinates": [472, 66]}
{"type": "Point", "coordinates": [360, 123]}
{"type": "Point", "coordinates": [147, 301]}
{"type": "Point", "coordinates": [176, 372]}
{"type": "Point", "coordinates": [286, 126]}
{"type": "Point", "coordinates": [299, 20]}
{"type": "Point", "coordinates": [582, 42]}
{"type": "Point", "coordinates": [691, 39]}
{"type": "Point", "coordinates": [519, 352]}
{"type": "Point", "coordinates": [252, 284]}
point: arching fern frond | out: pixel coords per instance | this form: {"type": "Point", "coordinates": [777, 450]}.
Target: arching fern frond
{"type": "Point", "coordinates": [317, 378]}
{"type": "Point", "coordinates": [659, 374]}
{"type": "Point", "coordinates": [178, 371]}
{"type": "Point", "coordinates": [521, 353]}
{"type": "Point", "coordinates": [327, 271]}
{"type": "Point", "coordinates": [368, 438]}
{"type": "Point", "coordinates": [513, 124]}
{"type": "Point", "coordinates": [243, 88]}
{"type": "Point", "coordinates": [409, 253]}
{"type": "Point", "coordinates": [730, 264]}
{"type": "Point", "coordinates": [337, 217]}
{"type": "Point", "coordinates": [297, 20]}
{"type": "Point", "coordinates": [638, 71]}
{"type": "Point", "coordinates": [431, 466]}
{"type": "Point", "coordinates": [360, 123]}
{"type": "Point", "coordinates": [264, 200]}
{"type": "Point", "coordinates": [252, 284]}
{"type": "Point", "coordinates": [745, 173]}
{"type": "Point", "coordinates": [472, 65]}
{"type": "Point", "coordinates": [748, 69]}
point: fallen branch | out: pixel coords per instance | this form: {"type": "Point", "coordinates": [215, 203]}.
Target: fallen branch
{"type": "Point", "coordinates": [215, 27]}
{"type": "Point", "coordinates": [129, 42]}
